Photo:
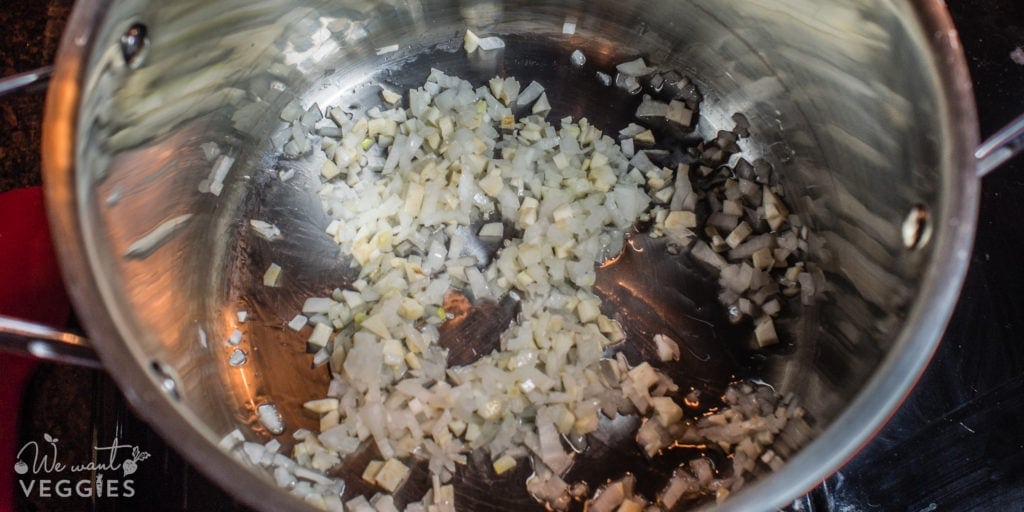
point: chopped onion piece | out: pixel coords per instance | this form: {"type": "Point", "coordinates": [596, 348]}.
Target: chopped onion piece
{"type": "Point", "coordinates": [491, 43]}
{"type": "Point", "coordinates": [775, 212]}
{"type": "Point", "coordinates": [272, 275]}
{"type": "Point", "coordinates": [321, 406]}
{"type": "Point", "coordinates": [232, 439]}
{"type": "Point", "coordinates": [529, 94]}
{"type": "Point", "coordinates": [679, 114]}
{"type": "Point", "coordinates": [359, 504]}
{"type": "Point", "coordinates": [314, 305]}
{"type": "Point", "coordinates": [628, 83]}
{"type": "Point", "coordinates": [703, 252]}
{"type": "Point", "coordinates": [392, 475]}
{"type": "Point", "coordinates": [383, 503]}
{"type": "Point", "coordinates": [651, 109]}
{"type": "Point", "coordinates": [681, 219]}
{"type": "Point", "coordinates": [390, 96]}
{"type": "Point", "coordinates": [491, 230]}
{"type": "Point", "coordinates": [210, 150]}
{"type": "Point", "coordinates": [542, 106]}
{"type": "Point", "coordinates": [151, 241]}
{"type": "Point", "coordinates": [265, 230]}
{"type": "Point", "coordinates": [321, 335]}
{"type": "Point", "coordinates": [635, 68]}
{"type": "Point", "coordinates": [503, 464]}
{"type": "Point", "coordinates": [668, 349]}
{"type": "Point", "coordinates": [738, 235]}
{"type": "Point", "coordinates": [764, 331]}
{"type": "Point", "coordinates": [471, 42]}
{"type": "Point", "coordinates": [215, 183]}
{"type": "Point", "coordinates": [298, 322]}
{"type": "Point", "coordinates": [577, 58]}
{"type": "Point", "coordinates": [329, 170]}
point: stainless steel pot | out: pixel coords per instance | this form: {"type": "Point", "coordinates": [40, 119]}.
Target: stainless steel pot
{"type": "Point", "coordinates": [864, 108]}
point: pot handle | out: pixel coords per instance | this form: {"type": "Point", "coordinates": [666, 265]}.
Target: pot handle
{"type": "Point", "coordinates": [45, 343]}
{"type": "Point", "coordinates": [21, 81]}
{"type": "Point", "coordinates": [1004, 145]}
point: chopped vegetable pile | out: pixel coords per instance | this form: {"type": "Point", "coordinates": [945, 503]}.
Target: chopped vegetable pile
{"type": "Point", "coordinates": [413, 184]}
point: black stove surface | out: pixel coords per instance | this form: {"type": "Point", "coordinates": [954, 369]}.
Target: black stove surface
{"type": "Point", "coordinates": [956, 444]}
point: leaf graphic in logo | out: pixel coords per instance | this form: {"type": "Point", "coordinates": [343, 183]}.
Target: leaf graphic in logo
{"type": "Point", "coordinates": [135, 452]}
{"type": "Point", "coordinates": [48, 438]}
{"type": "Point", "coordinates": [20, 467]}
{"type": "Point", "coordinates": [129, 467]}
{"type": "Point", "coordinates": [142, 456]}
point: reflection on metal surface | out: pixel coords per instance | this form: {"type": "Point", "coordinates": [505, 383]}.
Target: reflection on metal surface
{"type": "Point", "coordinates": [169, 382]}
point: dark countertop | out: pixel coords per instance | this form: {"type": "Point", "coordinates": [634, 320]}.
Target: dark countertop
{"type": "Point", "coordinates": [31, 32]}
{"type": "Point", "coordinates": [956, 444]}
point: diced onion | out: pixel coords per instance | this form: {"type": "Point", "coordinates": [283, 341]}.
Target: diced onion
{"type": "Point", "coordinates": [403, 185]}
{"type": "Point", "coordinates": [577, 58]}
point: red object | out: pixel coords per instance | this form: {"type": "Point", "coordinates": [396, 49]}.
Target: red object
{"type": "Point", "coordinates": [30, 282]}
{"type": "Point", "coordinates": [30, 289]}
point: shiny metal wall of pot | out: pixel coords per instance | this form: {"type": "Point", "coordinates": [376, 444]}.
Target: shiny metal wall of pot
{"type": "Point", "coordinates": [863, 107]}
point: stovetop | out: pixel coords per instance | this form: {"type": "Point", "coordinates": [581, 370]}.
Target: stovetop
{"type": "Point", "coordinates": [956, 444]}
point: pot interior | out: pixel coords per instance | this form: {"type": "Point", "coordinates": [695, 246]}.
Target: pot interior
{"type": "Point", "coordinates": [843, 99]}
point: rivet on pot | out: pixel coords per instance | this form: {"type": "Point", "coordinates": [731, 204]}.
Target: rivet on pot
{"type": "Point", "coordinates": [270, 418]}
{"type": "Point", "coordinates": [917, 228]}
{"type": "Point", "coordinates": [167, 379]}
{"type": "Point", "coordinates": [134, 43]}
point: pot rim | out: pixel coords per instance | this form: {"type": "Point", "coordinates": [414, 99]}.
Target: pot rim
{"type": "Point", "coordinates": [873, 406]}
{"type": "Point", "coordinates": [170, 419]}
{"type": "Point", "coordinates": [926, 321]}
